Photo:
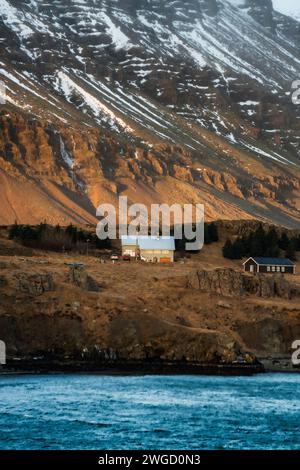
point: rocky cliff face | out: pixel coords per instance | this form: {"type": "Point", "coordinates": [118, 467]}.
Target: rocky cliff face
{"type": "Point", "coordinates": [57, 326]}
{"type": "Point", "coordinates": [160, 101]}
{"type": "Point", "coordinates": [112, 314]}
{"type": "Point", "coordinates": [262, 11]}
{"type": "Point", "coordinates": [231, 283]}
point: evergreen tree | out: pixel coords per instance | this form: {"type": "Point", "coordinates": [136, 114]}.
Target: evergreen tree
{"type": "Point", "coordinates": [256, 247]}
{"type": "Point", "coordinates": [207, 239]}
{"type": "Point", "coordinates": [258, 242]}
{"type": "Point", "coordinates": [41, 230]}
{"type": "Point", "coordinates": [228, 250]}
{"type": "Point", "coordinates": [247, 242]}
{"type": "Point", "coordinates": [290, 251]}
{"type": "Point", "coordinates": [271, 244]}
{"type": "Point", "coordinates": [28, 233]}
{"type": "Point", "coordinates": [283, 241]}
{"type": "Point", "coordinates": [14, 231]}
{"type": "Point", "coordinates": [234, 250]}
{"type": "Point", "coordinates": [71, 230]}
{"type": "Point", "coordinates": [213, 232]}
{"type": "Point", "coordinates": [261, 243]}
{"type": "Point", "coordinates": [296, 242]}
{"type": "Point", "coordinates": [238, 249]}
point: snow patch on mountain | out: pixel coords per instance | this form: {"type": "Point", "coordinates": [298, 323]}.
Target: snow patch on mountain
{"type": "Point", "coordinates": [237, 3]}
{"type": "Point", "coordinates": [106, 56]}
{"type": "Point", "coordinates": [119, 39]}
{"type": "Point", "coordinates": [69, 86]}
{"type": "Point", "coordinates": [14, 19]}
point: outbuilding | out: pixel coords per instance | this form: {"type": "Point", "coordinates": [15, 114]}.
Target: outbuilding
{"type": "Point", "coordinates": [130, 246]}
{"type": "Point", "coordinates": [149, 249]}
{"type": "Point", "coordinates": [269, 265]}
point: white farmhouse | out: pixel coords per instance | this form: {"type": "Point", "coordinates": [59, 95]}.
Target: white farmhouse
{"type": "Point", "coordinates": [149, 249]}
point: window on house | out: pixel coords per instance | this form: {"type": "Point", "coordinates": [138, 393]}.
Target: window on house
{"type": "Point", "coordinates": [268, 269]}
{"type": "Point", "coordinates": [283, 269]}
{"type": "Point", "coordinates": [273, 269]}
{"type": "Point", "coordinates": [278, 269]}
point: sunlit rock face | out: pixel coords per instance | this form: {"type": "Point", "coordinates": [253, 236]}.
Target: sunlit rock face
{"type": "Point", "coordinates": [175, 100]}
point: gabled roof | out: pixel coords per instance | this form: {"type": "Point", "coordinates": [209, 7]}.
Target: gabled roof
{"type": "Point", "coordinates": [271, 261]}
{"type": "Point", "coordinates": [149, 243]}
{"type": "Point", "coordinates": [156, 243]}
{"type": "Point", "coordinates": [128, 241]}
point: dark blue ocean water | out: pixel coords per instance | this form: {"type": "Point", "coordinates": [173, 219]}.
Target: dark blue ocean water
{"type": "Point", "coordinates": [177, 412]}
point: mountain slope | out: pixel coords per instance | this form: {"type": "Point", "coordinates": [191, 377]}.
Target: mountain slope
{"type": "Point", "coordinates": [162, 102]}
{"type": "Point", "coordinates": [288, 8]}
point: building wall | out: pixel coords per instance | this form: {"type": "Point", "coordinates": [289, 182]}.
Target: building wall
{"type": "Point", "coordinates": [276, 269]}
{"type": "Point", "coordinates": [158, 255]}
{"type": "Point", "coordinates": [149, 255]}
{"type": "Point", "coordinates": [131, 250]}
{"type": "Point", "coordinates": [248, 266]}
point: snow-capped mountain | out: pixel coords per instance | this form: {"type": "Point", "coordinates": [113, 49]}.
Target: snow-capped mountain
{"type": "Point", "coordinates": [164, 101]}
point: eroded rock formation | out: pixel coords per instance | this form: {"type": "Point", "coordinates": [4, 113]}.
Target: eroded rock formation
{"type": "Point", "coordinates": [231, 283]}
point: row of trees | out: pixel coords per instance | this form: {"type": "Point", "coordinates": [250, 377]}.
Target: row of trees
{"type": "Point", "coordinates": [211, 235]}
{"type": "Point", "coordinates": [262, 243]}
{"type": "Point", "coordinates": [47, 237]}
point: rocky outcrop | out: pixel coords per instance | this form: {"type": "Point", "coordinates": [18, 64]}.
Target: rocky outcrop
{"type": "Point", "coordinates": [3, 281]}
{"type": "Point", "coordinates": [173, 343]}
{"type": "Point", "coordinates": [36, 284]}
{"type": "Point", "coordinates": [231, 283]}
{"type": "Point", "coordinates": [38, 333]}
{"type": "Point", "coordinates": [49, 309]}
{"type": "Point", "coordinates": [269, 335]}
{"type": "Point", "coordinates": [225, 282]}
{"type": "Point", "coordinates": [262, 11]}
{"type": "Point", "coordinates": [156, 127]}
{"type": "Point", "coordinates": [79, 277]}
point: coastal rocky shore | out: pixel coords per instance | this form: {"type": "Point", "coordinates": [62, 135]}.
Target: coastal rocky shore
{"type": "Point", "coordinates": [190, 317]}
